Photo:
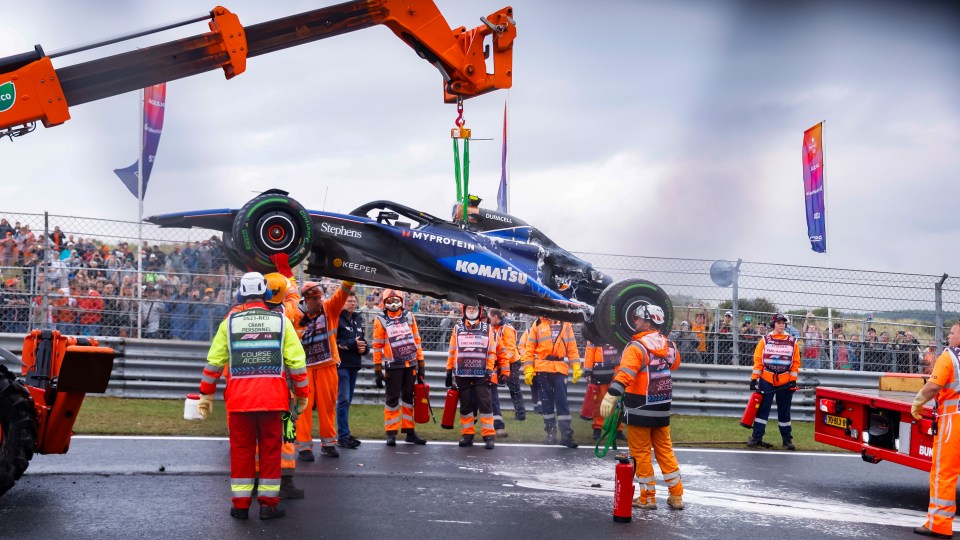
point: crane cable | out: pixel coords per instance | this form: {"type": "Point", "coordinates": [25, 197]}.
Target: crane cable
{"type": "Point", "coordinates": [456, 134]}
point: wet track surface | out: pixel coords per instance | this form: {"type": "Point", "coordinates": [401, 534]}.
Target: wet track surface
{"type": "Point", "coordinates": [115, 488]}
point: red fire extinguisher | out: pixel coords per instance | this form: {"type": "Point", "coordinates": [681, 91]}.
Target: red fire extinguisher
{"type": "Point", "coordinates": [590, 401]}
{"type": "Point", "coordinates": [751, 412]}
{"type": "Point", "coordinates": [623, 490]}
{"type": "Point", "coordinates": [450, 408]}
{"type": "Point", "coordinates": [421, 403]}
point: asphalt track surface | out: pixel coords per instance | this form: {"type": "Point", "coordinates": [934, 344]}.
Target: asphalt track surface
{"type": "Point", "coordinates": [109, 487]}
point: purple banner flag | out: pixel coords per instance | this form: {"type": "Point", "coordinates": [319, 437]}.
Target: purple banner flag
{"type": "Point", "coordinates": [502, 191]}
{"type": "Point", "coordinates": [154, 103]}
{"type": "Point", "coordinates": [813, 187]}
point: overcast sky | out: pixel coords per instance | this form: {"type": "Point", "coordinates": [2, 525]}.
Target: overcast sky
{"type": "Point", "coordinates": [641, 128]}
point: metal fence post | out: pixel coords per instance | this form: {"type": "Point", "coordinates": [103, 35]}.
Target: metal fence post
{"type": "Point", "coordinates": [863, 339]}
{"type": "Point", "coordinates": [734, 325]}
{"type": "Point", "coordinates": [716, 335]}
{"type": "Point", "coordinates": [938, 308]}
{"type": "Point", "coordinates": [44, 292]}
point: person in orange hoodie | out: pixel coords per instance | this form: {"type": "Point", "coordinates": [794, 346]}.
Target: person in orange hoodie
{"type": "Point", "coordinates": [508, 364]}
{"type": "Point", "coordinates": [285, 299]}
{"type": "Point", "coordinates": [551, 346]}
{"type": "Point", "coordinates": [645, 383]}
{"type": "Point", "coordinates": [319, 323]}
{"type": "Point", "coordinates": [398, 362]}
{"type": "Point", "coordinates": [944, 385]}
{"type": "Point", "coordinates": [776, 366]}
{"type": "Point", "coordinates": [472, 357]}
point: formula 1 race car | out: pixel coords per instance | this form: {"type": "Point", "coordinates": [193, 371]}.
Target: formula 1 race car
{"type": "Point", "coordinates": [493, 258]}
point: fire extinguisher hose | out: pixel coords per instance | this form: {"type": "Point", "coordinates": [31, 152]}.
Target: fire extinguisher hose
{"type": "Point", "coordinates": [608, 434]}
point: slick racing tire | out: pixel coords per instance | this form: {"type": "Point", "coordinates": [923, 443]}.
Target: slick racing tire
{"type": "Point", "coordinates": [614, 312]}
{"type": "Point", "coordinates": [269, 224]}
{"type": "Point", "coordinates": [18, 429]}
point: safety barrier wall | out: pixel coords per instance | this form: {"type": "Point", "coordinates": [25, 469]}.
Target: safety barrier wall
{"type": "Point", "coordinates": [170, 369]}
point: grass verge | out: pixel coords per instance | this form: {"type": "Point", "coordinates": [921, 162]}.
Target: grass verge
{"type": "Point", "coordinates": [116, 416]}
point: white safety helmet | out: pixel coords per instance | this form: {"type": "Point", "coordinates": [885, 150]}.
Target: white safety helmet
{"type": "Point", "coordinates": [651, 313]}
{"type": "Point", "coordinates": [253, 284]}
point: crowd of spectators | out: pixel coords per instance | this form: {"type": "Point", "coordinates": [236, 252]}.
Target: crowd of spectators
{"type": "Point", "coordinates": [902, 352]}
{"type": "Point", "coordinates": [83, 286]}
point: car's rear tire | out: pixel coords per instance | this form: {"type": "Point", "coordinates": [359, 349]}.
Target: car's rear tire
{"type": "Point", "coordinates": [231, 253]}
{"type": "Point", "coordinates": [590, 332]}
{"type": "Point", "coordinates": [269, 224]}
{"type": "Point", "coordinates": [18, 429]}
{"type": "Point", "coordinates": [613, 315]}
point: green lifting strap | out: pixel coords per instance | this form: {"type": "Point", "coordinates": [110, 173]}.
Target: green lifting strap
{"type": "Point", "coordinates": [456, 168]}
{"type": "Point", "coordinates": [462, 194]}
{"type": "Point", "coordinates": [608, 434]}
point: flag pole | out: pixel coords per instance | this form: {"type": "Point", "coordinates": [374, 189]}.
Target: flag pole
{"type": "Point", "coordinates": [509, 181]}
{"type": "Point", "coordinates": [826, 252]}
{"type": "Point", "coordinates": [140, 131]}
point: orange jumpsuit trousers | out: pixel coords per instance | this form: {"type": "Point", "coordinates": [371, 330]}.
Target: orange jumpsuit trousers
{"type": "Point", "coordinates": [943, 476]}
{"type": "Point", "coordinates": [641, 439]}
{"type": "Point", "coordinates": [323, 396]}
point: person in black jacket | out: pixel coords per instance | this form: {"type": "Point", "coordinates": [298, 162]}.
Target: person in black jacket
{"type": "Point", "coordinates": [352, 346]}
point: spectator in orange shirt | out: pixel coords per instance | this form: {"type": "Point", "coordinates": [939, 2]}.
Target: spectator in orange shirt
{"type": "Point", "coordinates": [91, 312]}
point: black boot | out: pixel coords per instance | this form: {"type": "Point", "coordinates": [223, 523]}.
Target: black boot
{"type": "Point", "coordinates": [306, 455]}
{"type": "Point", "coordinates": [567, 440]}
{"type": "Point", "coordinates": [412, 437]}
{"type": "Point", "coordinates": [348, 442]}
{"type": "Point", "coordinates": [752, 442]}
{"type": "Point", "coordinates": [465, 441]}
{"type": "Point", "coordinates": [596, 434]}
{"type": "Point", "coordinates": [271, 512]}
{"type": "Point", "coordinates": [330, 451]}
{"type": "Point", "coordinates": [551, 438]}
{"type": "Point", "coordinates": [520, 416]}
{"type": "Point", "coordinates": [288, 490]}
{"type": "Point", "coordinates": [488, 443]}
{"type": "Point", "coordinates": [391, 438]}
{"type": "Point", "coordinates": [240, 513]}
{"type": "Point", "coordinates": [788, 444]}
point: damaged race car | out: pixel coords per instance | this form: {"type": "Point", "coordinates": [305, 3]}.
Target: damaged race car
{"type": "Point", "coordinates": [493, 258]}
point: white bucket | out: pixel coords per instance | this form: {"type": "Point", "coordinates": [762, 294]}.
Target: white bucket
{"type": "Point", "coordinates": [191, 407]}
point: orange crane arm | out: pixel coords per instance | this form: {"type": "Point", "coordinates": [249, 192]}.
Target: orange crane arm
{"type": "Point", "coordinates": [32, 90]}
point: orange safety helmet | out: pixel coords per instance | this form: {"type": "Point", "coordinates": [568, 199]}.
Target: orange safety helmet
{"type": "Point", "coordinates": [311, 289]}
{"type": "Point", "coordinates": [389, 293]}
{"type": "Point", "coordinates": [277, 283]}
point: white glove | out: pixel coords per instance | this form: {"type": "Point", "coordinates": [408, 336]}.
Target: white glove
{"type": "Point", "coordinates": [302, 403]}
{"type": "Point", "coordinates": [916, 410]}
{"type": "Point", "coordinates": [608, 404]}
{"type": "Point", "coordinates": [206, 405]}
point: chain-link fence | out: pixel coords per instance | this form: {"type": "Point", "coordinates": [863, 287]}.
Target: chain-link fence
{"type": "Point", "coordinates": [96, 277]}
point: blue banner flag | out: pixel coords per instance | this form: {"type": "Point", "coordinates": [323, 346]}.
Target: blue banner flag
{"type": "Point", "coordinates": [813, 187]}
{"type": "Point", "coordinates": [154, 103]}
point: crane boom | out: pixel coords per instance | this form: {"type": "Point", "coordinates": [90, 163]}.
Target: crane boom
{"type": "Point", "coordinates": [32, 90]}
